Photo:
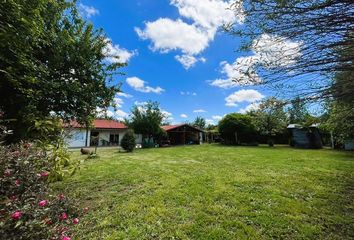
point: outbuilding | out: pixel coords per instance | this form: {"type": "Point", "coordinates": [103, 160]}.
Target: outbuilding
{"type": "Point", "coordinates": [183, 134]}
{"type": "Point", "coordinates": [305, 137]}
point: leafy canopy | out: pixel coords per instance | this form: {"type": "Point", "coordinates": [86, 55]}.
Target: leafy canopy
{"type": "Point", "coordinates": [51, 62]}
{"type": "Point", "coordinates": [146, 119]}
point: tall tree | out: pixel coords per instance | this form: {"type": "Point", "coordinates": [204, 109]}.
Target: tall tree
{"type": "Point", "coordinates": [270, 118]}
{"type": "Point", "coordinates": [295, 44]}
{"type": "Point", "coordinates": [51, 62]}
{"type": "Point", "coordinates": [199, 122]}
{"type": "Point", "coordinates": [297, 111]}
{"type": "Point", "coordinates": [146, 119]}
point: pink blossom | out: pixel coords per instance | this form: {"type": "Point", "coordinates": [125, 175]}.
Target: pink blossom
{"type": "Point", "coordinates": [63, 216]}
{"type": "Point", "coordinates": [16, 215]}
{"type": "Point", "coordinates": [43, 203]}
{"type": "Point", "coordinates": [44, 174]}
{"type": "Point", "coordinates": [65, 237]}
{"type": "Point", "coordinates": [17, 182]}
{"type": "Point", "coordinates": [7, 172]}
{"type": "Point", "coordinates": [75, 221]}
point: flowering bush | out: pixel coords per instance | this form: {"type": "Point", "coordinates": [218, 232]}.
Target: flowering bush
{"type": "Point", "coordinates": [27, 209]}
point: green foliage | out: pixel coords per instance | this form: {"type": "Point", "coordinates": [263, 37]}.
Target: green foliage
{"type": "Point", "coordinates": [236, 128]}
{"type": "Point", "coordinates": [297, 112]}
{"type": "Point", "coordinates": [270, 118]}
{"type": "Point", "coordinates": [128, 141]}
{"type": "Point", "coordinates": [146, 120]}
{"type": "Point", "coordinates": [50, 137]}
{"type": "Point", "coordinates": [28, 209]}
{"type": "Point", "coordinates": [199, 122]}
{"type": "Point", "coordinates": [341, 121]}
{"type": "Point", "coordinates": [52, 62]}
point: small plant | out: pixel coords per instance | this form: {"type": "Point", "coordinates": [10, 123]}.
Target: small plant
{"type": "Point", "coordinates": [128, 141]}
{"type": "Point", "coordinates": [27, 209]}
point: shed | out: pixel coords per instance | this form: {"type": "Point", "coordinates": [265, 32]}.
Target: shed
{"type": "Point", "coordinates": [182, 134]}
{"type": "Point", "coordinates": [305, 137]}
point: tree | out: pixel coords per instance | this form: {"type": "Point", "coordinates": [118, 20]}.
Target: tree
{"type": "Point", "coordinates": [199, 122]}
{"type": "Point", "coordinates": [295, 44]}
{"type": "Point", "coordinates": [297, 112]}
{"type": "Point", "coordinates": [128, 141]}
{"type": "Point", "coordinates": [236, 128]}
{"type": "Point", "coordinates": [146, 120]}
{"type": "Point", "coordinates": [270, 118]}
{"type": "Point", "coordinates": [52, 62]}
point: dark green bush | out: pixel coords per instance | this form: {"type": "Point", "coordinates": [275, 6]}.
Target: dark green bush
{"type": "Point", "coordinates": [128, 141]}
{"type": "Point", "coordinates": [236, 129]}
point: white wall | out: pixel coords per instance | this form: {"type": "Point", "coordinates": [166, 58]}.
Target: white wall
{"type": "Point", "coordinates": [76, 138]}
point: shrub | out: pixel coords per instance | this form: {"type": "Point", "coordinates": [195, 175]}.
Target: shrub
{"type": "Point", "coordinates": [236, 128]}
{"type": "Point", "coordinates": [28, 210]}
{"type": "Point", "coordinates": [128, 141]}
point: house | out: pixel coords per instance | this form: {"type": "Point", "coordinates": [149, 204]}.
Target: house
{"type": "Point", "coordinates": [182, 134]}
{"type": "Point", "coordinates": [305, 137]}
{"type": "Point", "coordinates": [103, 133]}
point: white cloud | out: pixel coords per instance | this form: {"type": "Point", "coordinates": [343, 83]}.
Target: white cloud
{"type": "Point", "coordinates": [188, 93]}
{"type": "Point", "coordinates": [121, 114]}
{"type": "Point", "coordinates": [188, 61]}
{"type": "Point", "coordinates": [243, 96]}
{"type": "Point", "coordinates": [250, 107]}
{"type": "Point", "coordinates": [217, 117]}
{"type": "Point", "coordinates": [126, 95]}
{"type": "Point", "coordinates": [199, 111]}
{"type": "Point", "coordinates": [167, 115]}
{"type": "Point", "coordinates": [87, 11]}
{"type": "Point", "coordinates": [118, 102]}
{"type": "Point", "coordinates": [268, 52]}
{"type": "Point", "coordinates": [210, 121]}
{"type": "Point", "coordinates": [139, 85]}
{"type": "Point", "coordinates": [116, 54]}
{"type": "Point", "coordinates": [206, 17]}
{"type": "Point", "coordinates": [167, 35]}
{"type": "Point", "coordinates": [184, 115]}
{"type": "Point", "coordinates": [208, 14]}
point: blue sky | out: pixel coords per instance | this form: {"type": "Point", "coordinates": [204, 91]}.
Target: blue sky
{"type": "Point", "coordinates": [152, 35]}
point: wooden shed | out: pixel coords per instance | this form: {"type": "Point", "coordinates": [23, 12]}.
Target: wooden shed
{"type": "Point", "coordinates": [183, 134]}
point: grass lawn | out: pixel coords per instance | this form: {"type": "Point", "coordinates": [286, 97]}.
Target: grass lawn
{"type": "Point", "coordinates": [215, 192]}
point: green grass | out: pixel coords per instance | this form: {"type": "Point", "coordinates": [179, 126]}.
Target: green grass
{"type": "Point", "coordinates": [215, 192]}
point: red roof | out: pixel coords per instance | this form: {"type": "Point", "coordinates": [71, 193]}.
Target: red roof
{"type": "Point", "coordinates": [171, 127]}
{"type": "Point", "coordinates": [109, 124]}
{"type": "Point", "coordinates": [100, 124]}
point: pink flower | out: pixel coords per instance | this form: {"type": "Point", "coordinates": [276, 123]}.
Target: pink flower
{"type": "Point", "coordinates": [7, 172]}
{"type": "Point", "coordinates": [65, 237]}
{"type": "Point", "coordinates": [86, 209]}
{"type": "Point", "coordinates": [75, 221]}
{"type": "Point", "coordinates": [43, 203]}
{"type": "Point", "coordinates": [16, 215]}
{"type": "Point", "coordinates": [63, 216]}
{"type": "Point", "coordinates": [44, 174]}
{"type": "Point", "coordinates": [17, 182]}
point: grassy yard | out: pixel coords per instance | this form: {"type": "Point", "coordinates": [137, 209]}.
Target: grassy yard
{"type": "Point", "coordinates": [215, 192]}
